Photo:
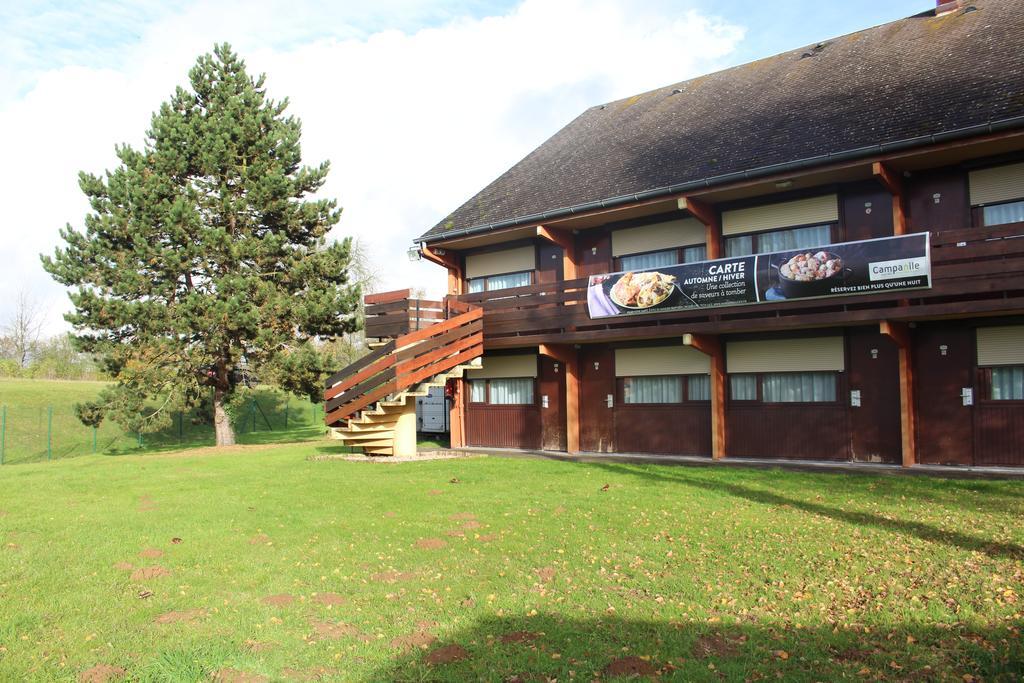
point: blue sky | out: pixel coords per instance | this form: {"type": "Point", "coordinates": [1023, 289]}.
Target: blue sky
{"type": "Point", "coordinates": [417, 104]}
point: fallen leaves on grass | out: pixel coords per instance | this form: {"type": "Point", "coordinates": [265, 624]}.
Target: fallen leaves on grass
{"type": "Point", "coordinates": [430, 544]}
{"type": "Point", "coordinates": [179, 616]}
{"type": "Point", "coordinates": [228, 675]}
{"type": "Point", "coordinates": [330, 599]}
{"type": "Point", "coordinates": [278, 600]}
{"type": "Point", "coordinates": [147, 573]}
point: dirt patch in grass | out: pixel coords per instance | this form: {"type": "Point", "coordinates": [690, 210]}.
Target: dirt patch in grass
{"type": "Point", "coordinates": [101, 673]}
{"type": "Point", "coordinates": [434, 492]}
{"type": "Point", "coordinates": [487, 538]}
{"type": "Point", "coordinates": [390, 514]}
{"type": "Point", "coordinates": [336, 630]}
{"type": "Point", "coordinates": [147, 504]}
{"type": "Point", "coordinates": [259, 539]}
{"type": "Point", "coordinates": [151, 553]}
{"type": "Point", "coordinates": [330, 599]}
{"type": "Point", "coordinates": [314, 673]}
{"type": "Point", "coordinates": [179, 616]}
{"type": "Point", "coordinates": [124, 566]}
{"type": "Point", "coordinates": [545, 574]}
{"type": "Point", "coordinates": [455, 533]}
{"type": "Point", "coordinates": [519, 637]}
{"type": "Point", "coordinates": [462, 516]}
{"type": "Point", "coordinates": [279, 600]}
{"type": "Point", "coordinates": [257, 646]}
{"type": "Point", "coordinates": [629, 666]}
{"type": "Point", "coordinates": [430, 544]}
{"type": "Point", "coordinates": [147, 573]}
{"type": "Point", "coordinates": [238, 676]}
{"type": "Point", "coordinates": [414, 641]}
{"type": "Point", "coordinates": [715, 645]}
{"type": "Point", "coordinates": [471, 524]}
{"type": "Point", "coordinates": [446, 654]}
{"type": "Point", "coordinates": [392, 576]}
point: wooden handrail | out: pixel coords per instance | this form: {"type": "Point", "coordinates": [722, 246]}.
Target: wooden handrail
{"type": "Point", "coordinates": [359, 365]}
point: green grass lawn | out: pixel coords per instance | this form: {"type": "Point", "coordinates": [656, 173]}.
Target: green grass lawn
{"type": "Point", "coordinates": [274, 418]}
{"type": "Point", "coordinates": [489, 569]}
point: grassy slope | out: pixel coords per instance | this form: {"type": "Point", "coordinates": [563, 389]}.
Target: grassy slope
{"type": "Point", "coordinates": [707, 574]}
{"type": "Point", "coordinates": [27, 403]}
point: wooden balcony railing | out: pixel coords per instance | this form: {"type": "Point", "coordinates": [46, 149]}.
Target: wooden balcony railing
{"type": "Point", "coordinates": [975, 271]}
{"type": "Point", "coordinates": [390, 314]}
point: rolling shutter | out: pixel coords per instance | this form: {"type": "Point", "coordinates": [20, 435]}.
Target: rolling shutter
{"type": "Point", "coordinates": [1001, 345]}
{"type": "Point", "coordinates": [810, 211]}
{"type": "Point", "coordinates": [499, 262]}
{"type": "Point", "coordinates": [680, 233]}
{"type": "Point", "coordinates": [661, 360]}
{"type": "Point", "coordinates": [786, 355]}
{"type": "Point", "coordinates": [998, 184]}
{"type": "Point", "coordinates": [500, 367]}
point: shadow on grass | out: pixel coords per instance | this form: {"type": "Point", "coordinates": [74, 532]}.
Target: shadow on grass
{"type": "Point", "coordinates": [921, 530]}
{"type": "Point", "coordinates": [549, 646]}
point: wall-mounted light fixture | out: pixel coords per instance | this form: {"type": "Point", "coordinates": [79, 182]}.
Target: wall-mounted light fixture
{"type": "Point", "coordinates": [414, 253]}
{"type": "Point", "coordinates": [943, 349]}
{"type": "Point", "coordinates": [867, 207]}
{"type": "Point", "coordinates": [937, 197]}
{"type": "Point", "coordinates": [874, 354]}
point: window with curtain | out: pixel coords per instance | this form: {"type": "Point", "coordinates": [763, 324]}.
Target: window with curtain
{"type": "Point", "coordinates": [516, 391]}
{"type": "Point", "coordinates": [694, 254]}
{"type": "Point", "coordinates": [999, 214]}
{"type": "Point", "coordinates": [779, 240]}
{"type": "Point", "coordinates": [798, 387]}
{"type": "Point", "coordinates": [1008, 383]}
{"type": "Point", "coordinates": [743, 387]}
{"type": "Point", "coordinates": [478, 391]}
{"type": "Point", "coordinates": [652, 389]}
{"type": "Point", "coordinates": [493, 282]}
{"type": "Point", "coordinates": [698, 388]}
{"type": "Point", "coordinates": [655, 259]}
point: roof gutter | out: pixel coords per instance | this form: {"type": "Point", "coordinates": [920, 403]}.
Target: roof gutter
{"type": "Point", "coordinates": [759, 172]}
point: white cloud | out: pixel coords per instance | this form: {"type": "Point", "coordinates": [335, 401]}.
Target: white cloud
{"type": "Point", "coordinates": [414, 122]}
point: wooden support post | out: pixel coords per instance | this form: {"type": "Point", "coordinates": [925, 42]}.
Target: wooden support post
{"type": "Point", "coordinates": [568, 356]}
{"type": "Point", "coordinates": [457, 415]}
{"type": "Point", "coordinates": [712, 346]}
{"type": "Point", "coordinates": [450, 261]}
{"type": "Point", "coordinates": [565, 240]}
{"type": "Point", "coordinates": [404, 438]}
{"type": "Point", "coordinates": [900, 334]}
{"type": "Point", "coordinates": [894, 184]}
{"type": "Point", "coordinates": [707, 215]}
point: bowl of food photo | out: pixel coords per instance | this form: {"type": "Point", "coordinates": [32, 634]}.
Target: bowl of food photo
{"type": "Point", "coordinates": [810, 273]}
{"type": "Point", "coordinates": [640, 291]}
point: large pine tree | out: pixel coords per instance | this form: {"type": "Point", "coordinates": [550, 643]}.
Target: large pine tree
{"type": "Point", "coordinates": [203, 253]}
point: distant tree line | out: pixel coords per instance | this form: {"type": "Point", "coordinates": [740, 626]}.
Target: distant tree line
{"type": "Point", "coordinates": [26, 352]}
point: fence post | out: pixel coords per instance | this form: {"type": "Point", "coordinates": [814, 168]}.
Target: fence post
{"type": "Point", "coordinates": [252, 409]}
{"type": "Point", "coordinates": [287, 403]}
{"type": "Point", "coordinates": [94, 439]}
{"type": "Point", "coordinates": [49, 433]}
{"type": "Point", "coordinates": [181, 428]}
{"type": "Point", "coordinates": [3, 433]}
{"type": "Point", "coordinates": [139, 435]}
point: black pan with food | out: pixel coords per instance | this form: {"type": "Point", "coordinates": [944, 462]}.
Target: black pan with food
{"type": "Point", "coordinates": [809, 273]}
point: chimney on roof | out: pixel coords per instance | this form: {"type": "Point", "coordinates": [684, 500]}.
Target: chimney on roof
{"type": "Point", "coordinates": [947, 6]}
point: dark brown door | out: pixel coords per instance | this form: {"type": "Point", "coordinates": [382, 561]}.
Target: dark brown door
{"type": "Point", "coordinates": [552, 404]}
{"type": "Point", "coordinates": [938, 201]}
{"type": "Point", "coordinates": [943, 368]}
{"type": "Point", "coordinates": [549, 263]}
{"type": "Point", "coordinates": [867, 212]}
{"type": "Point", "coordinates": [874, 372]}
{"type": "Point", "coordinates": [593, 253]}
{"type": "Point", "coordinates": [597, 383]}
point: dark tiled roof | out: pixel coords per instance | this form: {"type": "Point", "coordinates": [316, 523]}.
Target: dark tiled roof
{"type": "Point", "coordinates": [913, 77]}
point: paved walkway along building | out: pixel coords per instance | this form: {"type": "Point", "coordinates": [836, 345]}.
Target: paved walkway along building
{"type": "Point", "coordinates": [817, 255]}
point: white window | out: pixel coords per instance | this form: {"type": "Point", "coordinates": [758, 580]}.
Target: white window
{"type": "Point", "coordinates": [478, 391]}
{"type": "Point", "coordinates": [798, 387]}
{"type": "Point", "coordinates": [494, 282]}
{"type": "Point", "coordinates": [1000, 214]}
{"type": "Point", "coordinates": [517, 391]}
{"type": "Point", "coordinates": [695, 254]}
{"type": "Point", "coordinates": [652, 389]}
{"type": "Point", "coordinates": [743, 387]}
{"type": "Point", "coordinates": [1008, 383]}
{"type": "Point", "coordinates": [779, 240]}
{"type": "Point", "coordinates": [698, 388]}
{"type": "Point", "coordinates": [655, 259]}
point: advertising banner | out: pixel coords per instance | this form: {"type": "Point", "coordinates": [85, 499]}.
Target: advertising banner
{"type": "Point", "coordinates": [865, 267]}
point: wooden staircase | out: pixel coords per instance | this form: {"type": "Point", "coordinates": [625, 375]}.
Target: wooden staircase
{"type": "Point", "coordinates": [371, 404]}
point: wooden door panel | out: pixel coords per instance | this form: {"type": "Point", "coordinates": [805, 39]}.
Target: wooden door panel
{"type": "Point", "coordinates": [874, 371]}
{"type": "Point", "coordinates": [597, 381]}
{"type": "Point", "coordinates": [945, 430]}
{"type": "Point", "coordinates": [552, 385]}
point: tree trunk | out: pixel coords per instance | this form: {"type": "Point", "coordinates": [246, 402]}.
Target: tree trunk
{"type": "Point", "coordinates": [222, 426]}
